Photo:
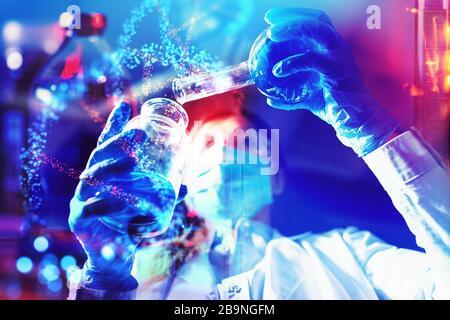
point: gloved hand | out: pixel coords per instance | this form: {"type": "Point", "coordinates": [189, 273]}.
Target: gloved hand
{"type": "Point", "coordinates": [331, 84]}
{"type": "Point", "coordinates": [110, 185]}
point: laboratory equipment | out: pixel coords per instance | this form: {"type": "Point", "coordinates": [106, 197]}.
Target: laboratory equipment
{"type": "Point", "coordinates": [264, 54]}
{"type": "Point", "coordinates": [160, 161]}
{"type": "Point", "coordinates": [70, 99]}
{"type": "Point", "coordinates": [27, 45]}
{"type": "Point", "coordinates": [202, 85]}
{"type": "Point", "coordinates": [81, 75]}
{"type": "Point", "coordinates": [432, 74]}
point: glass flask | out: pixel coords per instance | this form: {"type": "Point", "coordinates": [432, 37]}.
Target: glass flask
{"type": "Point", "coordinates": [258, 70]}
{"type": "Point", "coordinates": [69, 103]}
{"type": "Point", "coordinates": [160, 159]}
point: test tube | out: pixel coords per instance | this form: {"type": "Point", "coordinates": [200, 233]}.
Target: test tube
{"type": "Point", "coordinates": [207, 84]}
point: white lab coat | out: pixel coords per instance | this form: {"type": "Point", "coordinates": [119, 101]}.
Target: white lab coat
{"type": "Point", "coordinates": [353, 264]}
{"type": "Point", "coordinates": [349, 263]}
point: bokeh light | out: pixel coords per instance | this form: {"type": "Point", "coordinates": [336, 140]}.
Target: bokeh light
{"type": "Point", "coordinates": [55, 286]}
{"type": "Point", "coordinates": [48, 274]}
{"type": "Point", "coordinates": [67, 261]}
{"type": "Point", "coordinates": [24, 264]}
{"type": "Point", "coordinates": [14, 59]}
{"type": "Point", "coordinates": [12, 32]}
{"type": "Point", "coordinates": [40, 244]}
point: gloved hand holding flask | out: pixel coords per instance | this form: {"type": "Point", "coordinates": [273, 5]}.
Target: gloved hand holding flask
{"type": "Point", "coordinates": [301, 62]}
{"type": "Point", "coordinates": [127, 191]}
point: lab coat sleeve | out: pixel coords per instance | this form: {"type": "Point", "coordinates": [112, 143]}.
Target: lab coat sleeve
{"type": "Point", "coordinates": [418, 184]}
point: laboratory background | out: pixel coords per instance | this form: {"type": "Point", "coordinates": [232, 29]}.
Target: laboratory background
{"type": "Point", "coordinates": [42, 153]}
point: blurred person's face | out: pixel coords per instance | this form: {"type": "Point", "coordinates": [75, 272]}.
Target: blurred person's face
{"type": "Point", "coordinates": [223, 181]}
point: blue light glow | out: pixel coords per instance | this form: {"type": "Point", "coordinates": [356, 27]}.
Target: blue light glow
{"type": "Point", "coordinates": [24, 264]}
{"type": "Point", "coordinates": [48, 274]}
{"type": "Point", "coordinates": [13, 291]}
{"type": "Point", "coordinates": [49, 258]}
{"type": "Point", "coordinates": [67, 261]}
{"type": "Point", "coordinates": [55, 286]}
{"type": "Point", "coordinates": [108, 252]}
{"type": "Point", "coordinates": [40, 244]}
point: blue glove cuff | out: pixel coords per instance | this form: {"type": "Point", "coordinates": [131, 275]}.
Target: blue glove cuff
{"type": "Point", "coordinates": [360, 123]}
{"type": "Point", "coordinates": [368, 137]}
{"type": "Point", "coordinates": [105, 281]}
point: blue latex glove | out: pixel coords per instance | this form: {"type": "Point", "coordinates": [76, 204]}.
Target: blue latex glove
{"type": "Point", "coordinates": [108, 186]}
{"type": "Point", "coordinates": [331, 85]}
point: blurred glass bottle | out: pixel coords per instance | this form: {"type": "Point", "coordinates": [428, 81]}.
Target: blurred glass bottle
{"type": "Point", "coordinates": [27, 46]}
{"type": "Point", "coordinates": [70, 101]}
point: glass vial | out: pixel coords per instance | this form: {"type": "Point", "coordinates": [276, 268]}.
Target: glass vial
{"type": "Point", "coordinates": [160, 158]}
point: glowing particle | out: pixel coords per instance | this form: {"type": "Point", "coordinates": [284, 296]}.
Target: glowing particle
{"type": "Point", "coordinates": [108, 252]}
{"type": "Point", "coordinates": [12, 32]}
{"type": "Point", "coordinates": [101, 79]}
{"type": "Point", "coordinates": [415, 91]}
{"type": "Point", "coordinates": [40, 244]}
{"type": "Point", "coordinates": [67, 261]}
{"type": "Point", "coordinates": [24, 264]}
{"type": "Point", "coordinates": [44, 95]}
{"type": "Point", "coordinates": [14, 59]}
